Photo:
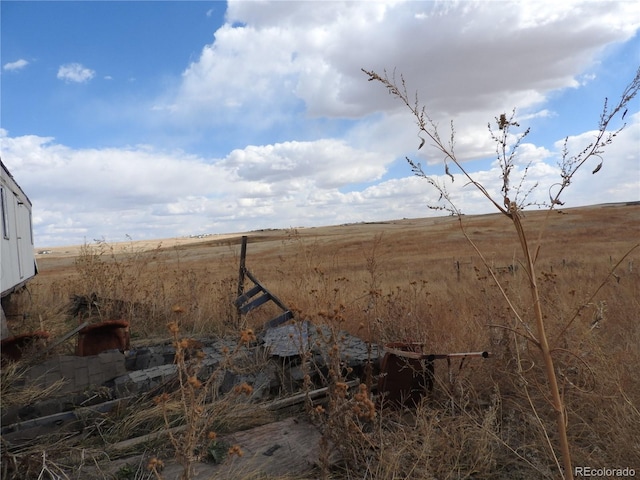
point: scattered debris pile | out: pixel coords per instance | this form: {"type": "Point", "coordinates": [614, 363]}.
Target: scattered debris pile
{"type": "Point", "coordinates": [107, 372]}
{"type": "Point", "coordinates": [272, 366]}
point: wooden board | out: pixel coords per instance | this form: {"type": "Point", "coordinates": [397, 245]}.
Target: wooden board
{"type": "Point", "coordinates": [285, 448]}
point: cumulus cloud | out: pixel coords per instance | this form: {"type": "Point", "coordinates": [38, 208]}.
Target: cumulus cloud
{"type": "Point", "coordinates": [15, 66]}
{"type": "Point", "coordinates": [468, 60]}
{"type": "Point", "coordinates": [160, 194]}
{"type": "Point", "coordinates": [326, 163]}
{"type": "Point", "coordinates": [294, 68]}
{"type": "Point", "coordinates": [75, 73]}
{"type": "Point", "coordinates": [464, 56]}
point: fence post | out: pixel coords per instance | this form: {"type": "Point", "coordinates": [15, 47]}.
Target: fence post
{"type": "Point", "coordinates": [241, 274]}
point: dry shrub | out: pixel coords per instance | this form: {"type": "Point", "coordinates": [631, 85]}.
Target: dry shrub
{"type": "Point", "coordinates": [417, 282]}
{"type": "Point", "coordinates": [14, 390]}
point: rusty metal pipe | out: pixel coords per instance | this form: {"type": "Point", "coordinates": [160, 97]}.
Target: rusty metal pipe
{"type": "Point", "coordinates": [441, 356]}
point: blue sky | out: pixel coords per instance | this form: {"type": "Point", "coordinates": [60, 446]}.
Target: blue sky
{"type": "Point", "coordinates": [163, 119]}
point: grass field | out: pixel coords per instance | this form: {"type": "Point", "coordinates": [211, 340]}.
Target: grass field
{"type": "Point", "coordinates": [412, 280]}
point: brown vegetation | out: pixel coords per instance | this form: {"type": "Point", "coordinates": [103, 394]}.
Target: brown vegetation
{"type": "Point", "coordinates": [410, 280]}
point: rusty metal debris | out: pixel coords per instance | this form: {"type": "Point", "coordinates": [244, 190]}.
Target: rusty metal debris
{"type": "Point", "coordinates": [13, 348]}
{"type": "Point", "coordinates": [100, 337]}
{"type": "Point", "coordinates": [407, 374]}
{"type": "Point", "coordinates": [275, 365]}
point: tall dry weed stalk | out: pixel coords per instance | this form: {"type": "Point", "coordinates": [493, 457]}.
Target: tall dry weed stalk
{"type": "Point", "coordinates": [197, 400]}
{"type": "Point", "coordinates": [513, 199]}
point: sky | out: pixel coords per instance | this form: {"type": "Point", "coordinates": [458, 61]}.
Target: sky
{"type": "Point", "coordinates": [158, 119]}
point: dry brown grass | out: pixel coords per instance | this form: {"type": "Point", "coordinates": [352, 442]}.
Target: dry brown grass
{"type": "Point", "coordinates": [416, 280]}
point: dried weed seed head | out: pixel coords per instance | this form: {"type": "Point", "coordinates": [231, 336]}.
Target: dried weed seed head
{"type": "Point", "coordinates": [243, 389]}
{"type": "Point", "coordinates": [155, 464]}
{"type": "Point", "coordinates": [341, 389]}
{"type": "Point", "coordinates": [173, 328]}
{"type": "Point", "coordinates": [364, 408]}
{"type": "Point", "coordinates": [247, 336]}
{"type": "Point", "coordinates": [235, 450]}
{"type": "Point", "coordinates": [194, 382]}
{"type": "Point", "coordinates": [161, 399]}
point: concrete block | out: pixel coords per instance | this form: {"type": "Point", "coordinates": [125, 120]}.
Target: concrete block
{"type": "Point", "coordinates": [81, 377]}
{"type": "Point", "coordinates": [66, 361]}
{"type": "Point", "coordinates": [95, 368]}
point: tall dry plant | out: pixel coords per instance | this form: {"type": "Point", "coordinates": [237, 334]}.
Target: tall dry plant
{"type": "Point", "coordinates": [197, 402]}
{"type": "Point", "coordinates": [513, 199]}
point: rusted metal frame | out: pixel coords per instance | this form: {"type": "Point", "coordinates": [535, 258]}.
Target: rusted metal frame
{"type": "Point", "coordinates": [440, 356]}
{"type": "Point", "coordinates": [435, 356]}
{"type": "Point", "coordinates": [429, 360]}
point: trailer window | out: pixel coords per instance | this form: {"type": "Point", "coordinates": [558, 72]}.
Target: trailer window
{"type": "Point", "coordinates": [5, 214]}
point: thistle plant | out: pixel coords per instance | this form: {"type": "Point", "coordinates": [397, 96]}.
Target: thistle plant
{"type": "Point", "coordinates": [196, 400]}
{"type": "Point", "coordinates": [511, 202]}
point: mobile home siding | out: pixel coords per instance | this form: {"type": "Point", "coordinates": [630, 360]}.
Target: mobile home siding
{"type": "Point", "coordinates": [16, 254]}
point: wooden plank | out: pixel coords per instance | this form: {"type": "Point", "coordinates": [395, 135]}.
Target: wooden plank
{"type": "Point", "coordinates": [255, 303]}
{"type": "Point", "coordinates": [275, 299]}
{"type": "Point", "coordinates": [287, 340]}
{"type": "Point", "coordinates": [246, 296]}
{"type": "Point", "coordinates": [58, 341]}
{"type": "Point", "coordinates": [279, 320]}
{"type": "Point", "coordinates": [57, 419]}
{"type": "Point", "coordinates": [149, 437]}
{"type": "Point", "coordinates": [301, 397]}
{"type": "Point", "coordinates": [243, 258]}
{"type": "Point", "coordinates": [274, 405]}
{"type": "Point", "coordinates": [288, 448]}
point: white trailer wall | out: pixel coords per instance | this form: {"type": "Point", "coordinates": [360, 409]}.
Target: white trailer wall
{"type": "Point", "coordinates": [16, 254]}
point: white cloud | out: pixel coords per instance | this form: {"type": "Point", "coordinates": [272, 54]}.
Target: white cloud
{"type": "Point", "coordinates": [325, 163]}
{"type": "Point", "coordinates": [171, 193]}
{"type": "Point", "coordinates": [148, 193]}
{"type": "Point", "coordinates": [15, 66]}
{"type": "Point", "coordinates": [75, 72]}
{"type": "Point", "coordinates": [283, 66]}
{"type": "Point", "coordinates": [275, 61]}
{"type": "Point", "coordinates": [306, 51]}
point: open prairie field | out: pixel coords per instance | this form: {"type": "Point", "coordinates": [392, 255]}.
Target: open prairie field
{"type": "Point", "coordinates": [421, 276]}
{"type": "Point", "coordinates": [417, 280]}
